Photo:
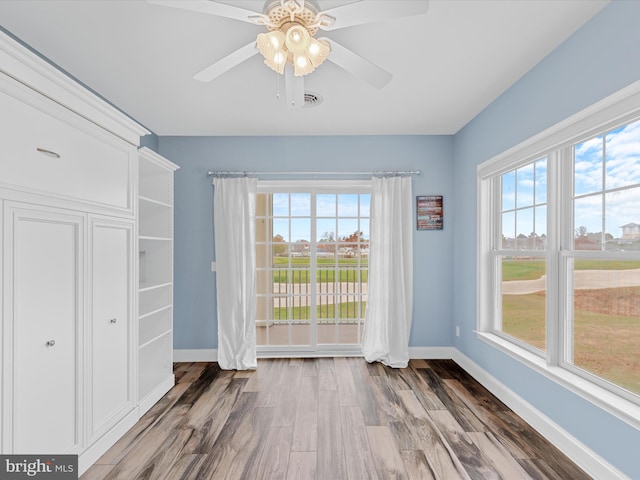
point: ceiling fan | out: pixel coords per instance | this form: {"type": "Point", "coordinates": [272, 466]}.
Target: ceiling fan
{"type": "Point", "coordinates": [289, 46]}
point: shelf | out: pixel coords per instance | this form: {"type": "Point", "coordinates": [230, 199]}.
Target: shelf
{"type": "Point", "coordinates": [156, 182]}
{"type": "Point", "coordinates": [153, 312]}
{"type": "Point", "coordinates": [153, 327]}
{"type": "Point", "coordinates": [156, 220]}
{"type": "Point", "coordinates": [154, 299]}
{"type": "Point", "coordinates": [154, 340]}
{"type": "Point", "coordinates": [155, 239]}
{"type": "Point", "coordinates": [145, 287]}
{"type": "Point", "coordinates": [155, 202]}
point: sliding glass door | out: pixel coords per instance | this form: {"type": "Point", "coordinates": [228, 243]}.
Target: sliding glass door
{"type": "Point", "coordinates": [312, 246]}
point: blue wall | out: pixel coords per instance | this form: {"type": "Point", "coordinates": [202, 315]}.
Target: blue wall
{"type": "Point", "coordinates": [194, 303]}
{"type": "Point", "coordinates": [599, 59]}
{"type": "Point", "coordinates": [150, 141]}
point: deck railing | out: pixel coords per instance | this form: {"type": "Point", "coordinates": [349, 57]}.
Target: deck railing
{"type": "Point", "coordinates": [340, 295]}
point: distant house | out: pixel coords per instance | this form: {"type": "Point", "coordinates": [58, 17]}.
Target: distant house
{"type": "Point", "coordinates": [630, 231]}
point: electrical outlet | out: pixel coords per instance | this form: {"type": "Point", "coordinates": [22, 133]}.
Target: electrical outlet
{"type": "Point", "coordinates": [457, 331]}
{"type": "Point", "coordinates": [213, 266]}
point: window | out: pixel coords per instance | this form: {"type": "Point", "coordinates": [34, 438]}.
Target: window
{"type": "Point", "coordinates": [520, 255]}
{"type": "Point", "coordinates": [602, 269]}
{"type": "Point", "coordinates": [312, 246]}
{"type": "Point", "coordinates": [559, 253]}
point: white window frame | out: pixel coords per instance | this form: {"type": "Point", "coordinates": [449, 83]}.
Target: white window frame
{"type": "Point", "coordinates": [556, 143]}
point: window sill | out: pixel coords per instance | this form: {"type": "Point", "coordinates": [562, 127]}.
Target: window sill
{"type": "Point", "coordinates": [625, 410]}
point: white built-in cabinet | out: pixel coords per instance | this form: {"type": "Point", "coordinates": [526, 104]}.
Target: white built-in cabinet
{"type": "Point", "coordinates": [155, 258]}
{"type": "Point", "coordinates": [85, 331]}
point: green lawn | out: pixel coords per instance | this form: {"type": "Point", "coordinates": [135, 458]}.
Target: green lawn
{"type": "Point", "coordinates": [523, 317]}
{"type": "Point", "coordinates": [326, 270]}
{"type": "Point", "coordinates": [606, 345]}
{"type": "Point", "coordinates": [533, 269]}
{"type": "Point", "coordinates": [522, 269]}
{"type": "Point", "coordinates": [346, 310]}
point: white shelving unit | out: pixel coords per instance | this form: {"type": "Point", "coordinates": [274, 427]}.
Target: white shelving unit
{"type": "Point", "coordinates": [155, 277]}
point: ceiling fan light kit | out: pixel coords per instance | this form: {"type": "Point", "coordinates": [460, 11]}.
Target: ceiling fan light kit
{"type": "Point", "coordinates": [292, 25]}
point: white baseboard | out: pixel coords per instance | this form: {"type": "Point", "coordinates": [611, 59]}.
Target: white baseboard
{"type": "Point", "coordinates": [98, 448]}
{"type": "Point", "coordinates": [585, 458]}
{"type": "Point", "coordinates": [196, 355]}
{"type": "Point", "coordinates": [432, 353]}
{"type": "Point", "coordinates": [211, 355]}
{"type": "Point", "coordinates": [156, 394]}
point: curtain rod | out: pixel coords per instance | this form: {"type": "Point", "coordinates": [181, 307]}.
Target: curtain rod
{"type": "Point", "coordinates": [384, 173]}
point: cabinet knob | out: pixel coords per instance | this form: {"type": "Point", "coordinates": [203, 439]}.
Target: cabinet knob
{"type": "Point", "coordinates": [113, 320]}
{"type": "Point", "coordinates": [50, 343]}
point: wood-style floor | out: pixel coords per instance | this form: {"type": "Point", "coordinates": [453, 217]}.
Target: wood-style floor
{"type": "Point", "coordinates": [331, 419]}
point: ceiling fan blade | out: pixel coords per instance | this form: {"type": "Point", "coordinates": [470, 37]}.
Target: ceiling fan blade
{"type": "Point", "coordinates": [357, 65]}
{"type": "Point", "coordinates": [213, 8]}
{"type": "Point", "coordinates": [294, 88]}
{"type": "Point", "coordinates": [227, 63]}
{"type": "Point", "coordinates": [372, 11]}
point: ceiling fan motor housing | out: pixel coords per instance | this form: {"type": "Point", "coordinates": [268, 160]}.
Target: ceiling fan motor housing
{"type": "Point", "coordinates": [282, 18]}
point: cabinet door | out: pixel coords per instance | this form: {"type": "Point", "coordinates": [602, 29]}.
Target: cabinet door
{"type": "Point", "coordinates": [55, 151]}
{"type": "Point", "coordinates": [111, 309]}
{"type": "Point", "coordinates": [43, 313]}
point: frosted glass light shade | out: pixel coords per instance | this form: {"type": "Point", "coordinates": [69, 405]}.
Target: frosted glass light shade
{"type": "Point", "coordinates": [271, 46]}
{"type": "Point", "coordinates": [318, 51]}
{"type": "Point", "coordinates": [302, 65]}
{"type": "Point", "coordinates": [297, 39]}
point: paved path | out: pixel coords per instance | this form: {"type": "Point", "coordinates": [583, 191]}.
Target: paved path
{"type": "Point", "coordinates": [583, 279]}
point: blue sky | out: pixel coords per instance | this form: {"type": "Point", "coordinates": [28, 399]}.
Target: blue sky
{"type": "Point", "coordinates": [602, 163]}
{"type": "Point", "coordinates": [336, 213]}
{"type": "Point", "coordinates": [531, 197]}
{"type": "Point", "coordinates": [609, 164]}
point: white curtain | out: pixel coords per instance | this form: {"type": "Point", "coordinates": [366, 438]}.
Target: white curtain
{"type": "Point", "coordinates": [390, 297]}
{"type": "Point", "coordinates": [234, 205]}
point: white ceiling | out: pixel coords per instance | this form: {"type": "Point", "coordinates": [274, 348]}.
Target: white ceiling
{"type": "Point", "coordinates": [448, 64]}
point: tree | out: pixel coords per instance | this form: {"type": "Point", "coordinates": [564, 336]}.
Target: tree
{"type": "Point", "coordinates": [328, 237]}
{"type": "Point", "coordinates": [581, 232]}
{"type": "Point", "coordinates": [279, 245]}
{"type": "Point", "coordinates": [354, 237]}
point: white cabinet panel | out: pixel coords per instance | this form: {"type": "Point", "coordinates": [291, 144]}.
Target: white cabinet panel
{"type": "Point", "coordinates": [45, 154]}
{"type": "Point", "coordinates": [111, 304]}
{"type": "Point", "coordinates": [43, 253]}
